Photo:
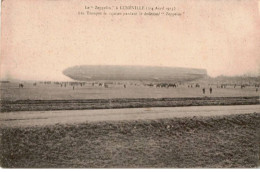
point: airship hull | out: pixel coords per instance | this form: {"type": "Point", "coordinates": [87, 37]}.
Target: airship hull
{"type": "Point", "coordinates": [140, 73]}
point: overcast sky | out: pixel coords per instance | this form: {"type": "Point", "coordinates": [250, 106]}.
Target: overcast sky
{"type": "Point", "coordinates": [41, 38]}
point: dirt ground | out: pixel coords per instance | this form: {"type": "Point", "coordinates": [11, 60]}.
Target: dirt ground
{"type": "Point", "coordinates": [223, 141]}
{"type": "Point", "coordinates": [45, 118]}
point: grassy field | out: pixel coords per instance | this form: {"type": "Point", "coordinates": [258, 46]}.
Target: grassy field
{"type": "Point", "coordinates": [11, 92]}
{"type": "Point", "coordinates": [54, 97]}
{"type": "Point", "coordinates": [224, 141]}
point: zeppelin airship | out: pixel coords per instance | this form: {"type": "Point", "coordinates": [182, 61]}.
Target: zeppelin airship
{"type": "Point", "coordinates": [138, 73]}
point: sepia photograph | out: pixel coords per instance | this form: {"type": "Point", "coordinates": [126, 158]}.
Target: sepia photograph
{"type": "Point", "coordinates": [130, 84]}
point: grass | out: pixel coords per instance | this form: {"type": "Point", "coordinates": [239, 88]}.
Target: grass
{"type": "Point", "coordinates": [224, 141]}
{"type": "Point", "coordinates": [46, 105]}
{"type": "Point", "coordinates": [11, 92]}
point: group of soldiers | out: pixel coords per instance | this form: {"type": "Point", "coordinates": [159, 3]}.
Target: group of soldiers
{"type": "Point", "coordinates": [161, 85]}
{"type": "Point", "coordinates": [210, 90]}
{"type": "Point", "coordinates": [196, 85]}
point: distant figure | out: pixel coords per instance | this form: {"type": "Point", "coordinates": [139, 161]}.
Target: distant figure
{"type": "Point", "coordinates": [20, 85]}
{"type": "Point", "coordinates": [203, 90]}
{"type": "Point", "coordinates": [256, 90]}
{"type": "Point", "coordinates": [73, 87]}
{"type": "Point", "coordinates": [124, 86]}
{"type": "Point", "coordinates": [210, 90]}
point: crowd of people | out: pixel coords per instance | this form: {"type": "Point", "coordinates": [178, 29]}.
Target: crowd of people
{"type": "Point", "coordinates": [73, 85]}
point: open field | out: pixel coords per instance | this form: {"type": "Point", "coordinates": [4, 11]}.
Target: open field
{"type": "Point", "coordinates": [54, 97]}
{"type": "Point", "coordinates": [11, 92]}
{"type": "Point", "coordinates": [209, 141]}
